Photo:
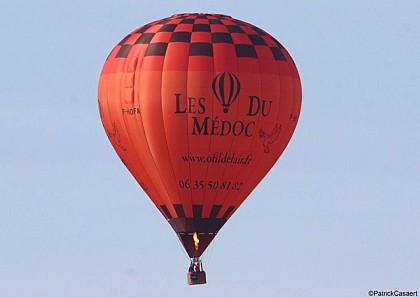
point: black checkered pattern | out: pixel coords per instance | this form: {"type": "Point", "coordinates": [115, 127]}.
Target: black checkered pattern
{"type": "Point", "coordinates": [223, 29]}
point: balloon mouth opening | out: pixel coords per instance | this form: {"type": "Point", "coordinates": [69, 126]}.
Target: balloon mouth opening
{"type": "Point", "coordinates": [218, 15]}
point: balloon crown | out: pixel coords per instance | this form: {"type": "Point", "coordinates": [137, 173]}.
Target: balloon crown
{"type": "Point", "coordinates": [218, 15]}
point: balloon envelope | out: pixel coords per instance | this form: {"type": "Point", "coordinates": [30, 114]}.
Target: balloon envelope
{"type": "Point", "coordinates": [199, 107]}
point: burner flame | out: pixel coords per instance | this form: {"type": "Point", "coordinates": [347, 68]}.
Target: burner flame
{"type": "Point", "coordinates": [196, 240]}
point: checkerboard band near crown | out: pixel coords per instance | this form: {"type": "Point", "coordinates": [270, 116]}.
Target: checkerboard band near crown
{"type": "Point", "coordinates": [210, 28]}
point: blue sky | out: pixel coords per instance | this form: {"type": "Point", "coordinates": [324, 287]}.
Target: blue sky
{"type": "Point", "coordinates": [336, 217]}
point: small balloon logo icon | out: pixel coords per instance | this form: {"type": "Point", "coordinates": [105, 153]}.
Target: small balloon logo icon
{"type": "Point", "coordinates": [226, 87]}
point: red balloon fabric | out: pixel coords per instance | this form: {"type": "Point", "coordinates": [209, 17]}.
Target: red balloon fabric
{"type": "Point", "coordinates": [199, 107]}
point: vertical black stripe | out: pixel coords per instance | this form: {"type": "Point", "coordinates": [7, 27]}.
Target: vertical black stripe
{"type": "Point", "coordinates": [166, 211]}
{"type": "Point", "coordinates": [214, 87]}
{"type": "Point", "coordinates": [200, 224]}
{"type": "Point", "coordinates": [232, 87]}
{"type": "Point", "coordinates": [215, 210]}
{"type": "Point", "coordinates": [197, 209]}
{"type": "Point", "coordinates": [238, 87]}
{"type": "Point", "coordinates": [228, 211]}
{"type": "Point", "coordinates": [179, 210]}
{"type": "Point", "coordinates": [222, 87]}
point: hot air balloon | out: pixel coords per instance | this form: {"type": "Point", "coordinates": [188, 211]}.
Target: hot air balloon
{"type": "Point", "coordinates": [199, 107]}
